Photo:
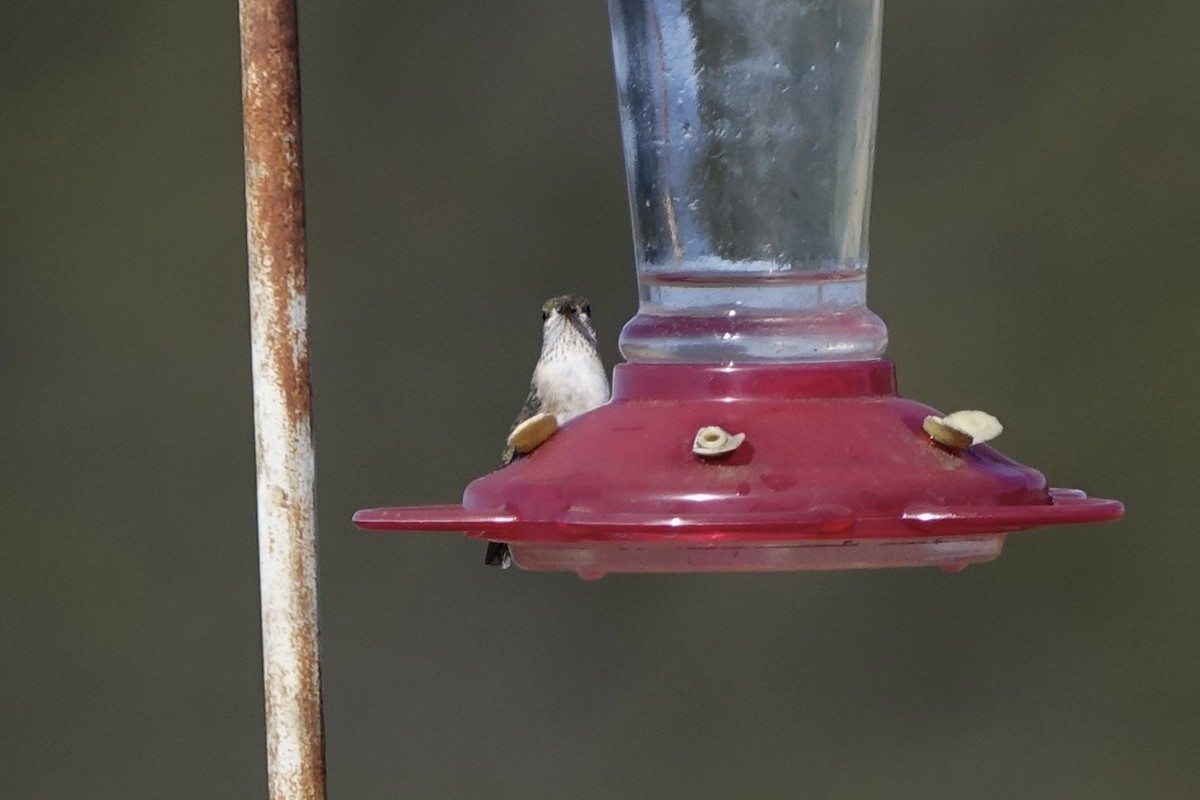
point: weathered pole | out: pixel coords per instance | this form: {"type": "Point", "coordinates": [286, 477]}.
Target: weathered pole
{"type": "Point", "coordinates": [282, 399]}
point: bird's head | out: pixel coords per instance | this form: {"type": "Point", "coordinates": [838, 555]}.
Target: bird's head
{"type": "Point", "coordinates": [568, 320]}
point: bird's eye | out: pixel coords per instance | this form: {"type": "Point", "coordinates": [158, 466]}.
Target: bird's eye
{"type": "Point", "coordinates": [587, 309]}
{"type": "Point", "coordinates": [545, 315]}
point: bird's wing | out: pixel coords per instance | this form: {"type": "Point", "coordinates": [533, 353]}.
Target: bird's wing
{"type": "Point", "coordinates": [532, 406]}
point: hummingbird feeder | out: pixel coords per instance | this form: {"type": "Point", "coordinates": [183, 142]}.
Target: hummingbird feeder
{"type": "Point", "coordinates": [755, 426]}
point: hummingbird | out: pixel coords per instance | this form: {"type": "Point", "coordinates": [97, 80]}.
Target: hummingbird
{"type": "Point", "coordinates": [568, 379]}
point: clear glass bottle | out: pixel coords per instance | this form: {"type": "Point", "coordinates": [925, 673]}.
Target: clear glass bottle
{"type": "Point", "coordinates": [749, 130]}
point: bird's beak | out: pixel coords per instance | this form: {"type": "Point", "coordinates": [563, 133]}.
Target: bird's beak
{"type": "Point", "coordinates": [577, 323]}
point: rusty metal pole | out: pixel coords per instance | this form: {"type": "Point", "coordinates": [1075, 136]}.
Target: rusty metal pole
{"type": "Point", "coordinates": [282, 399]}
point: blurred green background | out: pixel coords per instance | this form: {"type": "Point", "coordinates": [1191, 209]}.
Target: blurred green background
{"type": "Point", "coordinates": [1037, 198]}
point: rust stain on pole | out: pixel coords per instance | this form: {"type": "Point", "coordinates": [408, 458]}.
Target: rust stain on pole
{"type": "Point", "coordinates": [282, 399]}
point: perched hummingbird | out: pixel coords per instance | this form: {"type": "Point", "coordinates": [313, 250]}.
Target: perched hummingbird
{"type": "Point", "coordinates": [568, 379]}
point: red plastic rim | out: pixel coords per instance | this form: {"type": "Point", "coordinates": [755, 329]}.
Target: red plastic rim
{"type": "Point", "coordinates": [1067, 506]}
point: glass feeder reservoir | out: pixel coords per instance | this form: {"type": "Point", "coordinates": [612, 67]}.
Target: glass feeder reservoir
{"type": "Point", "coordinates": [755, 426]}
{"type": "Point", "coordinates": [748, 130]}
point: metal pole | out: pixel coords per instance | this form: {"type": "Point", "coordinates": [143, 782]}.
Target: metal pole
{"type": "Point", "coordinates": [282, 399]}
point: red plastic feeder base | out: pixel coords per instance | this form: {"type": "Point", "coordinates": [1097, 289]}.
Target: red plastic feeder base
{"type": "Point", "coordinates": [835, 473]}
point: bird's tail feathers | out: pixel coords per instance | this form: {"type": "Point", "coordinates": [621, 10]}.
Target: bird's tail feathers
{"type": "Point", "coordinates": [498, 555]}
